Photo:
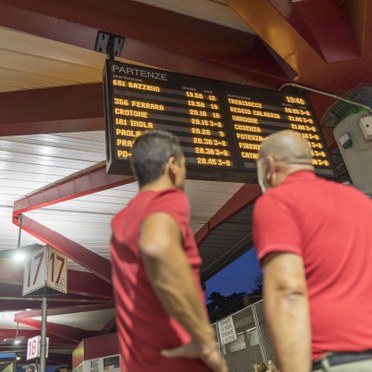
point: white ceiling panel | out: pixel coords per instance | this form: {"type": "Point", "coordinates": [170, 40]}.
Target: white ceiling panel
{"type": "Point", "coordinates": [28, 163]}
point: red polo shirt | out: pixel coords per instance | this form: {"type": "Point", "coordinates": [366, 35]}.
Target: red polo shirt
{"type": "Point", "coordinates": [144, 327]}
{"type": "Point", "coordinates": [330, 226]}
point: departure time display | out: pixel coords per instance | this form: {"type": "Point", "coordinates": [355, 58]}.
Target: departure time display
{"type": "Point", "coordinates": [220, 125]}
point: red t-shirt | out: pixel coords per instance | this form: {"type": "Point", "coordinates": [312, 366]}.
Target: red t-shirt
{"type": "Point", "coordinates": [144, 327]}
{"type": "Point", "coordinates": [329, 226]}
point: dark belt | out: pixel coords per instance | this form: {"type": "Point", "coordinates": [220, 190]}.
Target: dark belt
{"type": "Point", "coordinates": [343, 358]}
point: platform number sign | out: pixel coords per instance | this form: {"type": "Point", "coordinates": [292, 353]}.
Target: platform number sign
{"type": "Point", "coordinates": [34, 272]}
{"type": "Point", "coordinates": [57, 271]}
{"type": "Point", "coordinates": [34, 347]}
{"type": "Point", "coordinates": [45, 268]}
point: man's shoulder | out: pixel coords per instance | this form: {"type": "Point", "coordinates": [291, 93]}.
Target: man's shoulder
{"type": "Point", "coordinates": [172, 201]}
{"type": "Point", "coordinates": [284, 194]}
{"type": "Point", "coordinates": [158, 196]}
{"type": "Point", "coordinates": [272, 195]}
{"type": "Point", "coordinates": [173, 197]}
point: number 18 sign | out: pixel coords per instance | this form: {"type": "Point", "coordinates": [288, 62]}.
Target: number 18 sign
{"type": "Point", "coordinates": [34, 346]}
{"type": "Point", "coordinates": [45, 268]}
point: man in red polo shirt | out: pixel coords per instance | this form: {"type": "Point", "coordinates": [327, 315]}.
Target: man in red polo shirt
{"type": "Point", "coordinates": [160, 314]}
{"type": "Point", "coordinates": [314, 241]}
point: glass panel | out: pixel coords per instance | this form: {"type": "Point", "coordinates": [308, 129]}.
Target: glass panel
{"type": "Point", "coordinates": [94, 365]}
{"type": "Point", "coordinates": [238, 344]}
{"type": "Point", "coordinates": [111, 362]}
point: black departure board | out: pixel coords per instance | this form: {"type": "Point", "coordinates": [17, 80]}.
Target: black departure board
{"type": "Point", "coordinates": [220, 125]}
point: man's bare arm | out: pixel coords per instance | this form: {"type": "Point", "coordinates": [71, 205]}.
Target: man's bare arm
{"type": "Point", "coordinates": [171, 277]}
{"type": "Point", "coordinates": [287, 310]}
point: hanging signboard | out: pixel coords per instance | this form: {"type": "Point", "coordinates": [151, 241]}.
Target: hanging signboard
{"type": "Point", "coordinates": [34, 347]}
{"type": "Point", "coordinates": [45, 272]}
{"type": "Point", "coordinates": [220, 125]}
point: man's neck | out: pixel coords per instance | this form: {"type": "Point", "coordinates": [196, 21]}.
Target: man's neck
{"type": "Point", "coordinates": [162, 183]}
{"type": "Point", "coordinates": [289, 170]}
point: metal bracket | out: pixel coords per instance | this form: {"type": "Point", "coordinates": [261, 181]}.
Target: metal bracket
{"type": "Point", "coordinates": [110, 44]}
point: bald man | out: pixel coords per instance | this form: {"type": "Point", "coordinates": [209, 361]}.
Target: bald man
{"type": "Point", "coordinates": [314, 242]}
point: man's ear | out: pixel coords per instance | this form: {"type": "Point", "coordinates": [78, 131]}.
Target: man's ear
{"type": "Point", "coordinates": [171, 168]}
{"type": "Point", "coordinates": [271, 164]}
{"type": "Point", "coordinates": [172, 162]}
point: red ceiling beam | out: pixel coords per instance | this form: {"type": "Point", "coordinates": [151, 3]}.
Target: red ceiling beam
{"type": "Point", "coordinates": [52, 110]}
{"type": "Point", "coordinates": [87, 284]}
{"type": "Point", "coordinates": [245, 196]}
{"type": "Point", "coordinates": [281, 35]}
{"type": "Point", "coordinates": [28, 333]}
{"type": "Point", "coordinates": [108, 326]}
{"type": "Point", "coordinates": [85, 182]}
{"type": "Point", "coordinates": [83, 101]}
{"type": "Point", "coordinates": [324, 24]}
{"type": "Point", "coordinates": [63, 310]}
{"type": "Point", "coordinates": [292, 46]}
{"type": "Point", "coordinates": [20, 303]}
{"type": "Point", "coordinates": [330, 25]}
{"type": "Point", "coordinates": [11, 333]}
{"type": "Point", "coordinates": [51, 126]}
{"type": "Point", "coordinates": [202, 234]}
{"type": "Point", "coordinates": [88, 181]}
{"type": "Point", "coordinates": [360, 12]}
{"type": "Point", "coordinates": [293, 17]}
{"type": "Point", "coordinates": [79, 282]}
{"type": "Point", "coordinates": [91, 261]}
{"type": "Point", "coordinates": [69, 333]}
{"type": "Point", "coordinates": [11, 295]}
{"type": "Point", "coordinates": [153, 36]}
{"type": "Point", "coordinates": [62, 300]}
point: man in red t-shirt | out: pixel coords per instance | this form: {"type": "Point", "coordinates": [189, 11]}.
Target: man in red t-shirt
{"type": "Point", "coordinates": [314, 241]}
{"type": "Point", "coordinates": [160, 312]}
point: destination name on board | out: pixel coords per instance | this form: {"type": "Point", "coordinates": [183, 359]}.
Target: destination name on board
{"type": "Point", "coordinates": [139, 104]}
{"type": "Point", "coordinates": [139, 86]}
{"type": "Point", "coordinates": [134, 123]}
{"type": "Point", "coordinates": [138, 72]}
{"type": "Point", "coordinates": [241, 102]}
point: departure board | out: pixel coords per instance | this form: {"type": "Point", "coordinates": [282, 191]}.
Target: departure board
{"type": "Point", "coordinates": [220, 125]}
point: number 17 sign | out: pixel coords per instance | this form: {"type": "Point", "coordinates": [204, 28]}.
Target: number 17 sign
{"type": "Point", "coordinates": [45, 268]}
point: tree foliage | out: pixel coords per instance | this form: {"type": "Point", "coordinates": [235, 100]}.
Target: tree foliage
{"type": "Point", "coordinates": [220, 306]}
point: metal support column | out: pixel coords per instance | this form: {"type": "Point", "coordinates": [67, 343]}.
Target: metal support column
{"type": "Point", "coordinates": [43, 348]}
{"type": "Point", "coordinates": [259, 333]}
